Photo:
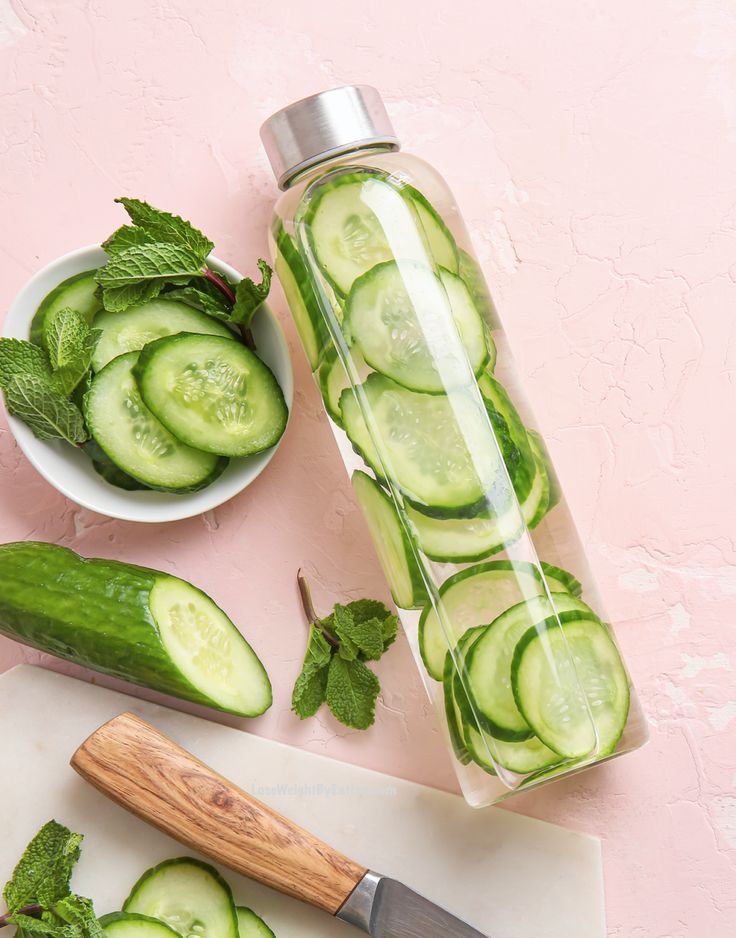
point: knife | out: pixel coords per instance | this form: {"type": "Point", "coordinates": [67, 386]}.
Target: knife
{"type": "Point", "coordinates": [146, 772]}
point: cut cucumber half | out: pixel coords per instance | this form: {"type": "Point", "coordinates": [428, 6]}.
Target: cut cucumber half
{"type": "Point", "coordinates": [392, 545]}
{"type": "Point", "coordinates": [251, 925]}
{"type": "Point", "coordinates": [129, 434]}
{"type": "Point", "coordinates": [511, 435]}
{"type": "Point", "coordinates": [189, 896]}
{"type": "Point", "coordinates": [488, 663]}
{"type": "Point", "coordinates": [130, 330]}
{"type": "Point", "coordinates": [422, 445]}
{"type": "Point", "coordinates": [212, 393]}
{"type": "Point", "coordinates": [137, 624]}
{"type": "Point", "coordinates": [359, 218]}
{"type": "Point", "coordinates": [473, 597]}
{"type": "Point", "coordinates": [560, 664]}
{"type": "Point", "coordinates": [131, 925]}
{"type": "Point", "coordinates": [301, 297]}
{"type": "Point", "coordinates": [78, 293]}
{"type": "Point", "coordinates": [400, 315]}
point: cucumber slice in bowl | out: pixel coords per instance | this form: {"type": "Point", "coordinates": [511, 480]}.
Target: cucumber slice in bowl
{"type": "Point", "coordinates": [130, 330]}
{"type": "Point", "coordinates": [391, 543]}
{"type": "Point", "coordinates": [563, 666]}
{"type": "Point", "coordinates": [251, 925]}
{"type": "Point", "coordinates": [132, 925]}
{"type": "Point", "coordinates": [78, 293]}
{"type": "Point", "coordinates": [400, 314]}
{"type": "Point", "coordinates": [476, 596]}
{"type": "Point", "coordinates": [489, 661]}
{"type": "Point", "coordinates": [137, 624]}
{"type": "Point", "coordinates": [212, 393]}
{"type": "Point", "coordinates": [349, 214]}
{"type": "Point", "coordinates": [132, 438]}
{"type": "Point", "coordinates": [189, 896]}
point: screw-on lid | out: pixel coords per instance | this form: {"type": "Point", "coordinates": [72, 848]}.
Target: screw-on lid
{"type": "Point", "coordinates": [323, 126]}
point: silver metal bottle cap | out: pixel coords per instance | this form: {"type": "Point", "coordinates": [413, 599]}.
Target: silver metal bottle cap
{"type": "Point", "coordinates": [325, 125]}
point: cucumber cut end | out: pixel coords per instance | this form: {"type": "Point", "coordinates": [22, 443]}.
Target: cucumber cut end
{"type": "Point", "coordinates": [251, 925]}
{"type": "Point", "coordinates": [208, 649]}
{"type": "Point", "coordinates": [134, 925]}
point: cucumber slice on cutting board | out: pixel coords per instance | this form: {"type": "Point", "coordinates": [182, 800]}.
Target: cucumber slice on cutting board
{"type": "Point", "coordinates": [137, 624]}
{"type": "Point", "coordinates": [189, 896]}
{"type": "Point", "coordinates": [586, 660]}
{"type": "Point", "coordinates": [476, 596]}
{"type": "Point", "coordinates": [251, 925]}
{"type": "Point", "coordinates": [350, 215]}
{"type": "Point", "coordinates": [130, 330]}
{"type": "Point", "coordinates": [139, 444]}
{"type": "Point", "coordinates": [391, 542]}
{"type": "Point", "coordinates": [400, 315]}
{"type": "Point", "coordinates": [132, 925]}
{"type": "Point", "coordinates": [212, 393]}
{"type": "Point", "coordinates": [421, 442]}
{"type": "Point", "coordinates": [301, 297]}
{"type": "Point", "coordinates": [489, 661]}
{"type": "Point", "coordinates": [78, 293]}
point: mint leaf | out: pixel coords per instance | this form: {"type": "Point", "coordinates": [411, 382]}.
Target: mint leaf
{"type": "Point", "coordinates": [129, 236]}
{"type": "Point", "coordinates": [118, 299]}
{"type": "Point", "coordinates": [352, 690]}
{"type": "Point", "coordinates": [366, 637]}
{"type": "Point", "coordinates": [79, 913]}
{"type": "Point", "coordinates": [146, 268]}
{"type": "Point", "coordinates": [363, 609]}
{"type": "Point", "coordinates": [214, 305]}
{"type": "Point", "coordinates": [389, 630]}
{"type": "Point", "coordinates": [71, 344]}
{"type": "Point", "coordinates": [161, 226]}
{"type": "Point", "coordinates": [340, 623]}
{"type": "Point", "coordinates": [249, 296]}
{"type": "Point", "coordinates": [43, 873]}
{"type": "Point", "coordinates": [18, 357]}
{"type": "Point", "coordinates": [311, 685]}
{"type": "Point", "coordinates": [47, 412]}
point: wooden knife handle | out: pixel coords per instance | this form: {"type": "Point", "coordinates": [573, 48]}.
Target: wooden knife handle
{"type": "Point", "coordinates": [144, 771]}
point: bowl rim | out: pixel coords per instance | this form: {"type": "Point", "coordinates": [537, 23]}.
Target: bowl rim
{"type": "Point", "coordinates": [184, 506]}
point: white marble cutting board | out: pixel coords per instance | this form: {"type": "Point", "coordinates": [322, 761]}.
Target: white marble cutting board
{"type": "Point", "coordinates": [509, 876]}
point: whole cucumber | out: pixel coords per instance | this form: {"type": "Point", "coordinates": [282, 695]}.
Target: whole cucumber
{"type": "Point", "coordinates": [134, 623]}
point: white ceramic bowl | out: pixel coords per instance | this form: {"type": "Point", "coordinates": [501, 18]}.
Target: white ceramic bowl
{"type": "Point", "coordinates": [71, 472]}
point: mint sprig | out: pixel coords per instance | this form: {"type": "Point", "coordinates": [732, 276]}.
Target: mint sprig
{"type": "Point", "coordinates": [47, 412]}
{"type": "Point", "coordinates": [334, 669]}
{"type": "Point", "coordinates": [164, 253]}
{"type": "Point", "coordinates": [38, 895]}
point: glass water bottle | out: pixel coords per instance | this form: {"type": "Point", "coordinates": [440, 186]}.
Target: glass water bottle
{"type": "Point", "coordinates": [474, 536]}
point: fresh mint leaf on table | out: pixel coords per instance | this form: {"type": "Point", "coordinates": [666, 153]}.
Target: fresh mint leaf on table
{"type": "Point", "coordinates": [38, 895]}
{"type": "Point", "coordinates": [334, 670]}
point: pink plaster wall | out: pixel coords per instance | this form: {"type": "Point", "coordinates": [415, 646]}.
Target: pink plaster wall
{"type": "Point", "coordinates": [593, 149]}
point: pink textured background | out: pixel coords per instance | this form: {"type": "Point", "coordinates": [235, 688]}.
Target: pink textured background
{"type": "Point", "coordinates": [593, 150]}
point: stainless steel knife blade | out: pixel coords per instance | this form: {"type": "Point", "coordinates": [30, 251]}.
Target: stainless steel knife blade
{"type": "Point", "coordinates": [386, 908]}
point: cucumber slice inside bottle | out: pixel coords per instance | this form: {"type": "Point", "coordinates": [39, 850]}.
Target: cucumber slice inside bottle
{"type": "Point", "coordinates": [512, 435]}
{"type": "Point", "coordinates": [422, 444]}
{"type": "Point", "coordinates": [472, 275]}
{"type": "Point", "coordinates": [349, 219]}
{"type": "Point", "coordinates": [301, 297]}
{"type": "Point", "coordinates": [189, 896]}
{"type": "Point", "coordinates": [463, 540]}
{"type": "Point", "coordinates": [132, 925]}
{"type": "Point", "coordinates": [473, 597]}
{"type": "Point", "coordinates": [400, 316]}
{"type": "Point", "coordinates": [333, 380]}
{"type": "Point", "coordinates": [489, 661]}
{"type": "Point", "coordinates": [391, 543]}
{"type": "Point", "coordinates": [130, 330]}
{"type": "Point", "coordinates": [132, 438]}
{"type": "Point", "coordinates": [78, 293]}
{"type": "Point", "coordinates": [551, 699]}
{"type": "Point", "coordinates": [251, 925]}
{"type": "Point", "coordinates": [212, 393]}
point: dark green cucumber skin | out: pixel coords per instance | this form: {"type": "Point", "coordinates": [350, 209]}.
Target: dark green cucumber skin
{"type": "Point", "coordinates": [38, 323]}
{"type": "Point", "coordinates": [113, 917]}
{"type": "Point", "coordinates": [293, 259]}
{"type": "Point", "coordinates": [189, 861]}
{"type": "Point", "coordinates": [95, 613]}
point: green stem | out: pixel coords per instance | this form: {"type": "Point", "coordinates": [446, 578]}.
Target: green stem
{"type": "Point", "coordinates": [34, 910]}
{"type": "Point", "coordinates": [309, 611]}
